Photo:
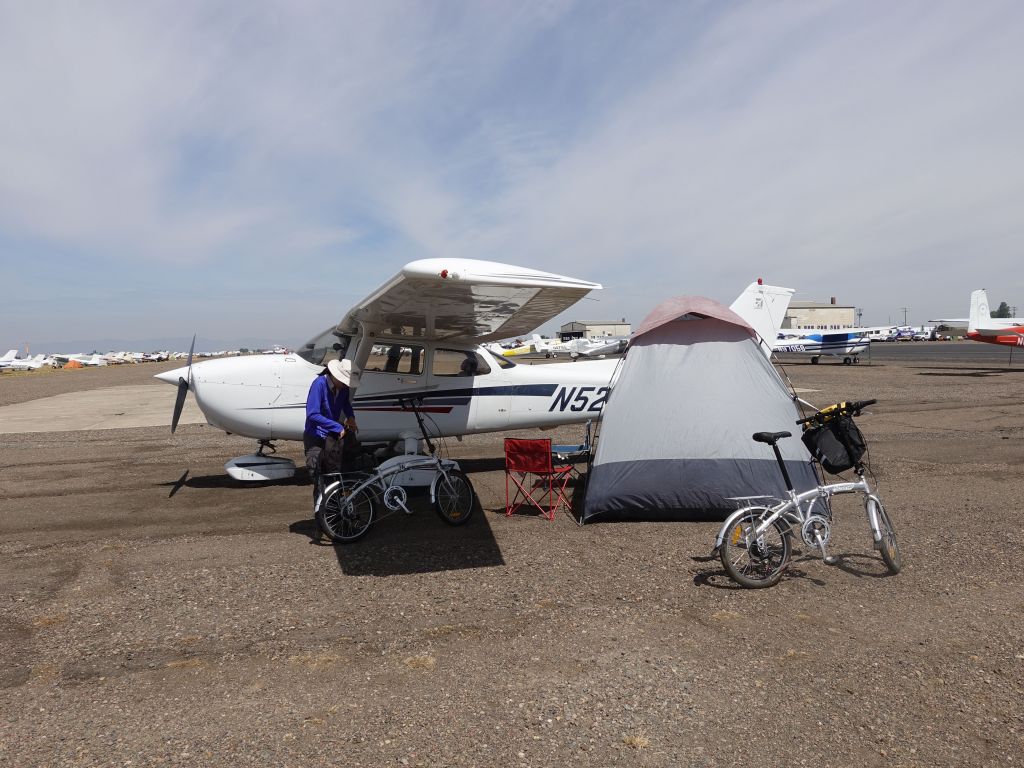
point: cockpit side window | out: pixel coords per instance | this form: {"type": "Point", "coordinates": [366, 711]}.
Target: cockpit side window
{"type": "Point", "coordinates": [459, 362]}
{"type": "Point", "coordinates": [329, 345]}
{"type": "Point", "coordinates": [396, 358]}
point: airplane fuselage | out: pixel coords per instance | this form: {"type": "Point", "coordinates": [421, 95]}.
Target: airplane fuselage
{"type": "Point", "coordinates": [836, 343]}
{"type": "Point", "coordinates": [264, 396]}
{"type": "Point", "coordinates": [1012, 336]}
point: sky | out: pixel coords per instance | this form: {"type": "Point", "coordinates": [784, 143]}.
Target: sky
{"type": "Point", "coordinates": [248, 171]}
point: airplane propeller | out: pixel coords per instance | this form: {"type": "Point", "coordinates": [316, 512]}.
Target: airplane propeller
{"type": "Point", "coordinates": [183, 385]}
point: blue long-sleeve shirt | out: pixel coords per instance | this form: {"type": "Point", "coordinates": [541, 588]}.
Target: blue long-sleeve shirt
{"type": "Point", "coordinates": [324, 408]}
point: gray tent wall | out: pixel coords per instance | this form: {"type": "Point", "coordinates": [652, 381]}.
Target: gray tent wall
{"type": "Point", "coordinates": [675, 435]}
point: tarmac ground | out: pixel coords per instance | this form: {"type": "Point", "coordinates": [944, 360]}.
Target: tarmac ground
{"type": "Point", "coordinates": [158, 613]}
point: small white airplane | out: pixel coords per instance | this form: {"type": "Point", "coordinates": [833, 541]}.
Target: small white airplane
{"type": "Point", "coordinates": [85, 360]}
{"type": "Point", "coordinates": [845, 344]}
{"type": "Point", "coordinates": [8, 359]}
{"type": "Point", "coordinates": [593, 347]}
{"type": "Point", "coordinates": [31, 363]}
{"type": "Point", "coordinates": [423, 336]}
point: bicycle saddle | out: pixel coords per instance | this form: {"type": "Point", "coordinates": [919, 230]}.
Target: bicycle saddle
{"type": "Point", "coordinates": [771, 437]}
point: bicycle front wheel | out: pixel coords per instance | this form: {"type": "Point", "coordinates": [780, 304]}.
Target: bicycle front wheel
{"type": "Point", "coordinates": [454, 497]}
{"type": "Point", "coordinates": [345, 517]}
{"type": "Point", "coordinates": [887, 546]}
{"type": "Point", "coordinates": [754, 561]}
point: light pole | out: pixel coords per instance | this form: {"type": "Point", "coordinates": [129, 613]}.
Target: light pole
{"type": "Point", "coordinates": [904, 315]}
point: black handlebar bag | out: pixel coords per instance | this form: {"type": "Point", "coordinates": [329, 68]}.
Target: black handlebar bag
{"type": "Point", "coordinates": [837, 444]}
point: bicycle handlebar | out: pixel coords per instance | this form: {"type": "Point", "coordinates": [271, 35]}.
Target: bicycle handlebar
{"type": "Point", "coordinates": [851, 408]}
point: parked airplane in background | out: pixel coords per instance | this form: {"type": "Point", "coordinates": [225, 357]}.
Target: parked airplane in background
{"type": "Point", "coordinates": [845, 344]}
{"type": "Point", "coordinates": [8, 359]}
{"type": "Point", "coordinates": [420, 338]}
{"type": "Point", "coordinates": [593, 347]}
{"type": "Point", "coordinates": [31, 363]}
{"type": "Point", "coordinates": [86, 360]}
{"type": "Point", "coordinates": [1008, 331]}
{"type": "Point", "coordinates": [537, 344]}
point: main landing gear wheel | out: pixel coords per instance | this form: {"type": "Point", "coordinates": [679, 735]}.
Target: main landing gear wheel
{"type": "Point", "coordinates": [454, 497]}
{"type": "Point", "coordinates": [345, 517]}
{"type": "Point", "coordinates": [847, 361]}
{"type": "Point", "coordinates": [755, 562]}
{"type": "Point", "coordinates": [814, 360]}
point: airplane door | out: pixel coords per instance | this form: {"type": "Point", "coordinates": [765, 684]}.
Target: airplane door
{"type": "Point", "coordinates": [465, 393]}
{"type": "Point", "coordinates": [392, 373]}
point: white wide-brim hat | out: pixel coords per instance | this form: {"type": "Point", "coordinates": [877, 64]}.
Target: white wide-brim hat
{"type": "Point", "coordinates": [344, 371]}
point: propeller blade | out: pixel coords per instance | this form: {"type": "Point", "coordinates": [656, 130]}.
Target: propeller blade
{"type": "Point", "coordinates": [183, 384]}
{"type": "Point", "coordinates": [179, 403]}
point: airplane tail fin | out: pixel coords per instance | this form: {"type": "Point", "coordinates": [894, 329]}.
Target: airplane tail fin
{"type": "Point", "coordinates": [763, 307]}
{"type": "Point", "coordinates": [980, 314]}
{"type": "Point", "coordinates": [11, 355]}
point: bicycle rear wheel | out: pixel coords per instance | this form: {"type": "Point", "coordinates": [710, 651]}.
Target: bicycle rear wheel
{"type": "Point", "coordinates": [345, 517]}
{"type": "Point", "coordinates": [887, 546]}
{"type": "Point", "coordinates": [454, 497]}
{"type": "Point", "coordinates": [755, 561]}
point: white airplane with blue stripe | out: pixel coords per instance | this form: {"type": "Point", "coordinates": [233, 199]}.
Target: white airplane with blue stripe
{"type": "Point", "coordinates": [425, 337]}
{"type": "Point", "coordinates": [845, 344]}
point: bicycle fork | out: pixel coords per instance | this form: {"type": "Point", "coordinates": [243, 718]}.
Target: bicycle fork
{"type": "Point", "coordinates": [871, 503]}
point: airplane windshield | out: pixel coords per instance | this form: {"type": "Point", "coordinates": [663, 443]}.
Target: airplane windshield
{"type": "Point", "coordinates": [503, 362]}
{"type": "Point", "coordinates": [329, 345]}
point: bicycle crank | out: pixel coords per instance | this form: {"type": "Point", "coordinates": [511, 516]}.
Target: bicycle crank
{"type": "Point", "coordinates": [816, 532]}
{"type": "Point", "coordinates": [395, 498]}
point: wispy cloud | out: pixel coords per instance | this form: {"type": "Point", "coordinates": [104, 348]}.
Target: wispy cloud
{"type": "Point", "coordinates": [215, 162]}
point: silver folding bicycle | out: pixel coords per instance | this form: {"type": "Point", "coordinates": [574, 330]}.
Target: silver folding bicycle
{"type": "Point", "coordinates": [347, 502]}
{"type": "Point", "coordinates": [754, 543]}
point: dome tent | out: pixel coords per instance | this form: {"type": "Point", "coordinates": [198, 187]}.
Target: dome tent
{"type": "Point", "coordinates": [675, 434]}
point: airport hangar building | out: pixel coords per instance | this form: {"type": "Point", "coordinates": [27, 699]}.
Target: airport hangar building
{"type": "Point", "coordinates": [594, 329]}
{"type": "Point", "coordinates": [815, 315]}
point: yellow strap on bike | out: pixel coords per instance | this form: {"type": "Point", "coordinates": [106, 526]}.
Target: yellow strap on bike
{"type": "Point", "coordinates": [827, 414]}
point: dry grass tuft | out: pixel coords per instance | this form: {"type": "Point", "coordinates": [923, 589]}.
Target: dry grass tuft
{"type": "Point", "coordinates": [638, 740]}
{"type": "Point", "coordinates": [422, 661]}
{"type": "Point", "coordinates": [314, 660]}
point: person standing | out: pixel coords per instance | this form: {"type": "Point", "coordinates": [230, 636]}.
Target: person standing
{"type": "Point", "coordinates": [328, 415]}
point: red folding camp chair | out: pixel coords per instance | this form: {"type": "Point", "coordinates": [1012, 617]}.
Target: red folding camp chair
{"type": "Point", "coordinates": [538, 481]}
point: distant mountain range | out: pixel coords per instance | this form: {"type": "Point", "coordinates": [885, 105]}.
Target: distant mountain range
{"type": "Point", "coordinates": [169, 343]}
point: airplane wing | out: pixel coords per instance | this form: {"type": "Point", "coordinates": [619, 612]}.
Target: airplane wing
{"type": "Point", "coordinates": [434, 299]}
{"type": "Point", "coordinates": [952, 322]}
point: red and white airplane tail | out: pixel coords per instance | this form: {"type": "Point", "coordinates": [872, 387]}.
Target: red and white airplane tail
{"type": "Point", "coordinates": [1008, 331]}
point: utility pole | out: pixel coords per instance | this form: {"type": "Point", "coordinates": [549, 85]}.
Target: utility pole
{"type": "Point", "coordinates": [860, 313]}
{"type": "Point", "coordinates": [904, 315]}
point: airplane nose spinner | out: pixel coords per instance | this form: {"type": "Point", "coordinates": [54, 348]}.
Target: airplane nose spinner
{"type": "Point", "coordinates": [171, 377]}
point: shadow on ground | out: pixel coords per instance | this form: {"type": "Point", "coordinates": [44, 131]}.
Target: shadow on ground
{"type": "Point", "coordinates": [422, 542]}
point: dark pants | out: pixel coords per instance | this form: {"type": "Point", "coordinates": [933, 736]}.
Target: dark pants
{"type": "Point", "coordinates": [322, 455]}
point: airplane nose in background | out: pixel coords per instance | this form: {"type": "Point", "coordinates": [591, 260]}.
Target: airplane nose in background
{"type": "Point", "coordinates": [171, 377]}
